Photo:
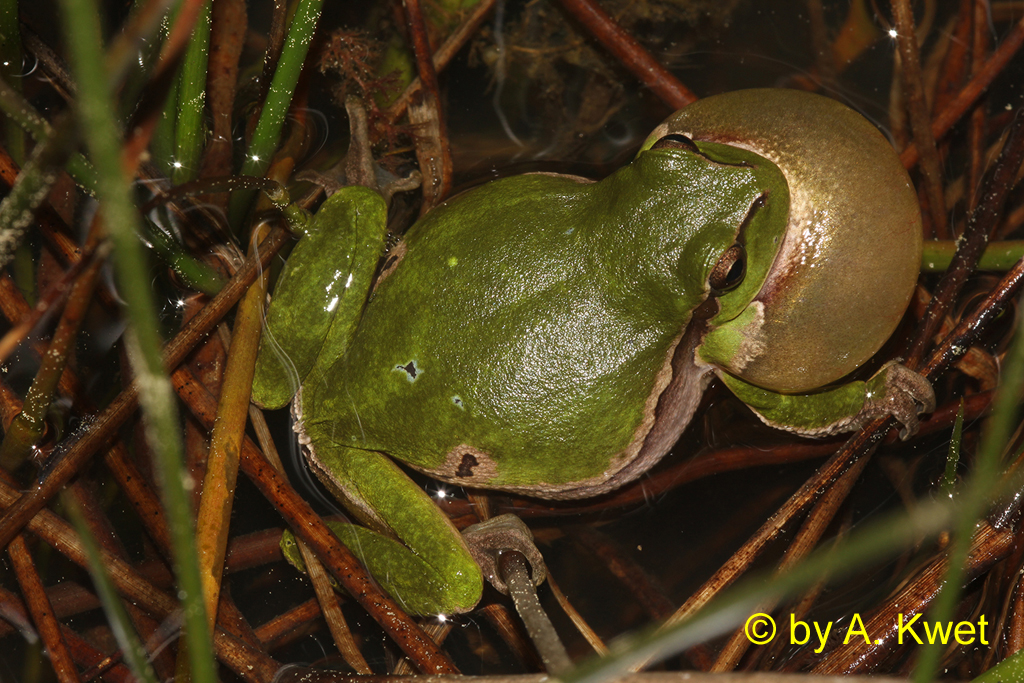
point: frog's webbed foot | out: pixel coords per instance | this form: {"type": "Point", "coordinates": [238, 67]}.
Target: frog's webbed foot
{"type": "Point", "coordinates": [898, 391]}
{"type": "Point", "coordinates": [487, 540]}
{"type": "Point", "coordinates": [358, 166]}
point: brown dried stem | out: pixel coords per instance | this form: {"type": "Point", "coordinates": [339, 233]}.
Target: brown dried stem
{"type": "Point", "coordinates": [970, 93]}
{"type": "Point", "coordinates": [287, 623]}
{"type": "Point", "coordinates": [969, 329]}
{"type": "Point", "coordinates": [81, 494]}
{"type": "Point", "coordinates": [10, 405]}
{"type": "Point", "coordinates": [42, 611]}
{"type": "Point", "coordinates": [325, 595]}
{"type": "Point", "coordinates": [630, 52]}
{"type": "Point", "coordinates": [83, 653]}
{"type": "Point", "coordinates": [982, 223]}
{"type": "Point", "coordinates": [54, 296]}
{"type": "Point", "coordinates": [588, 633]}
{"type": "Point", "coordinates": [433, 150]}
{"type": "Point", "coordinates": [331, 610]}
{"type": "Point", "coordinates": [299, 674]}
{"type": "Point", "coordinates": [250, 665]}
{"type": "Point", "coordinates": [442, 56]}
{"type": "Point", "coordinates": [824, 58]}
{"type": "Point", "coordinates": [645, 590]}
{"type": "Point", "coordinates": [917, 108]}
{"type": "Point", "coordinates": [275, 43]}
{"type": "Point", "coordinates": [54, 230]}
{"type": "Point", "coordinates": [227, 37]}
{"type": "Point", "coordinates": [1015, 637]}
{"type": "Point", "coordinates": [988, 546]}
{"type": "Point", "coordinates": [70, 599]}
{"type": "Point", "coordinates": [123, 406]}
{"type": "Point", "coordinates": [953, 71]}
{"type": "Point", "coordinates": [806, 540]}
{"type": "Point", "coordinates": [124, 469]}
{"type": "Point", "coordinates": [979, 115]}
{"type": "Point", "coordinates": [207, 362]}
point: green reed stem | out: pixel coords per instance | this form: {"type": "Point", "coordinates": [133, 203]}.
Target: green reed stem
{"type": "Point", "coordinates": [953, 456]}
{"type": "Point", "coordinates": [998, 256]}
{"type": "Point", "coordinates": [194, 273]}
{"type": "Point", "coordinates": [279, 97]}
{"type": "Point", "coordinates": [191, 99]}
{"type": "Point", "coordinates": [18, 208]}
{"type": "Point", "coordinates": [161, 146]}
{"type": "Point", "coordinates": [113, 189]}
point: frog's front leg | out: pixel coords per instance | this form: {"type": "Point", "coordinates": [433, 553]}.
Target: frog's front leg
{"type": "Point", "coordinates": [320, 295]}
{"type": "Point", "coordinates": [894, 390]}
{"type": "Point", "coordinates": [413, 551]}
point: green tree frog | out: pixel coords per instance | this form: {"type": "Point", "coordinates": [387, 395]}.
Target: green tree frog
{"type": "Point", "coordinates": [552, 336]}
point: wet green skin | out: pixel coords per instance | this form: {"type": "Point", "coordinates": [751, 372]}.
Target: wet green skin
{"type": "Point", "coordinates": [587, 298]}
{"type": "Point", "coordinates": [521, 343]}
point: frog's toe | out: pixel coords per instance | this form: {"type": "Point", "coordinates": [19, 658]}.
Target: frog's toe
{"type": "Point", "coordinates": [905, 395]}
{"type": "Point", "coordinates": [488, 540]}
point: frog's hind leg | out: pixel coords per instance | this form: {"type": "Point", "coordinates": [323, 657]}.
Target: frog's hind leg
{"type": "Point", "coordinates": [413, 551]}
{"type": "Point", "coordinates": [320, 295]}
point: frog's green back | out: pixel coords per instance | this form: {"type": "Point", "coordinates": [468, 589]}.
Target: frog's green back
{"type": "Point", "coordinates": [519, 340]}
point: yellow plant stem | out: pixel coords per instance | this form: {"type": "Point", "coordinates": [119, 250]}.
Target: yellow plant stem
{"type": "Point", "coordinates": [222, 466]}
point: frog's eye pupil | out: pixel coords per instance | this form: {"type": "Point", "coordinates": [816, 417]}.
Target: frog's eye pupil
{"type": "Point", "coordinates": [728, 273]}
{"type": "Point", "coordinates": [676, 141]}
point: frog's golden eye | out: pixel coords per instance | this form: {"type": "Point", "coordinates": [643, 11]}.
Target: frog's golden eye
{"type": "Point", "coordinates": [676, 141]}
{"type": "Point", "coordinates": [728, 273]}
